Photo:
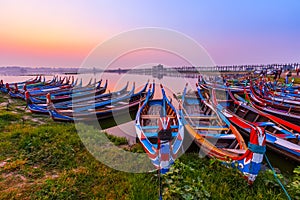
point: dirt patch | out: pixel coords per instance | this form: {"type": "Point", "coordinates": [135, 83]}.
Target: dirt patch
{"type": "Point", "coordinates": [4, 104]}
{"type": "Point", "coordinates": [20, 107]}
{"type": "Point", "coordinates": [13, 181]}
{"type": "Point", "coordinates": [3, 163]}
{"type": "Point", "coordinates": [36, 120]}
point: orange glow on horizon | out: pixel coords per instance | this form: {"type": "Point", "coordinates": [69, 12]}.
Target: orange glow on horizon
{"type": "Point", "coordinates": [46, 44]}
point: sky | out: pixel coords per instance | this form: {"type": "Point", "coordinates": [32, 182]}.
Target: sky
{"type": "Point", "coordinates": [62, 33]}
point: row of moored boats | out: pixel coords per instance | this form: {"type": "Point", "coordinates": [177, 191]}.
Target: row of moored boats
{"type": "Point", "coordinates": [217, 116]}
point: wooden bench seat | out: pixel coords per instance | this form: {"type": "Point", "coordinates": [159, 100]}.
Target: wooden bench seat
{"type": "Point", "coordinates": [215, 128]}
{"type": "Point", "coordinates": [123, 103]}
{"type": "Point", "coordinates": [155, 116]}
{"type": "Point", "coordinates": [155, 127]}
{"type": "Point", "coordinates": [154, 134]}
{"type": "Point", "coordinates": [201, 117]}
{"type": "Point", "coordinates": [237, 151]}
{"type": "Point", "coordinates": [221, 101]}
{"type": "Point", "coordinates": [218, 136]}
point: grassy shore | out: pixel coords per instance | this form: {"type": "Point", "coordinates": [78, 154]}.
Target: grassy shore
{"type": "Point", "coordinates": [42, 159]}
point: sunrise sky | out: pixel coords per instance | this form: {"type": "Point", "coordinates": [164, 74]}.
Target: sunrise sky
{"type": "Point", "coordinates": [62, 33]}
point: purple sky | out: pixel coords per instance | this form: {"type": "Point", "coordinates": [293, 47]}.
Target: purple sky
{"type": "Point", "coordinates": [62, 33]}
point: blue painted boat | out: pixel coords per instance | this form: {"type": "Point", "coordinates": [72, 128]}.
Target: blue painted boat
{"type": "Point", "coordinates": [282, 136]}
{"type": "Point", "coordinates": [159, 130]}
{"type": "Point", "coordinates": [98, 110]}
{"type": "Point", "coordinates": [217, 137]}
{"type": "Point", "coordinates": [41, 107]}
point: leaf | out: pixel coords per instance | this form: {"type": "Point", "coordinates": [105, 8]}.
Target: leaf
{"type": "Point", "coordinates": [297, 170]}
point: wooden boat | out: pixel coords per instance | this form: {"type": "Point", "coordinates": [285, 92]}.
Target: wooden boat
{"type": "Point", "coordinates": [36, 80]}
{"type": "Point", "coordinates": [286, 88]}
{"type": "Point", "coordinates": [159, 130]}
{"type": "Point", "coordinates": [41, 108]}
{"type": "Point", "coordinates": [63, 88]}
{"type": "Point", "coordinates": [266, 96]}
{"type": "Point", "coordinates": [216, 136]}
{"type": "Point", "coordinates": [285, 111]}
{"type": "Point", "coordinates": [281, 135]}
{"type": "Point", "coordinates": [63, 93]}
{"type": "Point", "coordinates": [74, 92]}
{"type": "Point", "coordinates": [105, 109]}
{"type": "Point", "coordinates": [234, 87]}
{"type": "Point", "coordinates": [282, 100]}
{"type": "Point", "coordinates": [59, 91]}
{"type": "Point", "coordinates": [36, 89]}
{"type": "Point", "coordinates": [42, 84]}
{"type": "Point", "coordinates": [6, 88]}
{"type": "Point", "coordinates": [35, 85]}
{"type": "Point", "coordinates": [282, 92]}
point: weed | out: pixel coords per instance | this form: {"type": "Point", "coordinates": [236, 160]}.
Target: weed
{"type": "Point", "coordinates": [117, 140]}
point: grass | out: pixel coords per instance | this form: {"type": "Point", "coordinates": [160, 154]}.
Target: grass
{"type": "Point", "coordinates": [50, 161]}
{"type": "Point", "coordinates": [2, 99]}
{"type": "Point", "coordinates": [117, 140]}
{"type": "Point", "coordinates": [193, 178]}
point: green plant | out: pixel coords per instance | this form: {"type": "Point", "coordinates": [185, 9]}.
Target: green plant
{"type": "Point", "coordinates": [117, 140]}
{"type": "Point", "coordinates": [294, 185]}
{"type": "Point", "coordinates": [193, 178]}
{"type": "Point", "coordinates": [137, 148]}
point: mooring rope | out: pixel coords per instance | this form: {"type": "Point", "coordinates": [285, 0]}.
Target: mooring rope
{"type": "Point", "coordinates": [256, 148]}
{"type": "Point", "coordinates": [277, 179]}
